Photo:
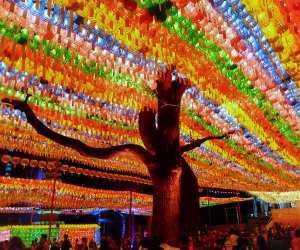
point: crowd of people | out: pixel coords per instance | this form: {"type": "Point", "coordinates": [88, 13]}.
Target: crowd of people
{"type": "Point", "coordinates": [264, 238]}
{"type": "Point", "coordinates": [15, 243]}
{"type": "Point", "coordinates": [276, 237]}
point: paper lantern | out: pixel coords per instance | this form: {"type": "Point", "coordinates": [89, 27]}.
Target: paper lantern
{"type": "Point", "coordinates": [5, 159]}
{"type": "Point", "coordinates": [15, 160]}
{"type": "Point", "coordinates": [130, 5]}
{"type": "Point", "coordinates": [42, 164]}
{"type": "Point", "coordinates": [24, 162]}
{"type": "Point", "coordinates": [34, 163]}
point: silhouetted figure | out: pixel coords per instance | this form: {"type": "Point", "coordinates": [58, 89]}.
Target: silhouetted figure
{"type": "Point", "coordinates": [77, 245]}
{"type": "Point", "coordinates": [43, 244]}
{"type": "Point", "coordinates": [66, 244]}
{"type": "Point", "coordinates": [104, 242]}
{"type": "Point", "coordinates": [92, 245]}
{"type": "Point", "coordinates": [4, 245]}
{"type": "Point", "coordinates": [16, 243]}
{"type": "Point", "coordinates": [54, 245]}
{"type": "Point", "coordinates": [295, 243]}
{"type": "Point", "coordinates": [84, 244]}
{"type": "Point", "coordinates": [34, 244]}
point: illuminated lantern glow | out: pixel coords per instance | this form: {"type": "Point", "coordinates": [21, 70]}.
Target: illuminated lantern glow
{"type": "Point", "coordinates": [5, 159]}
{"type": "Point", "coordinates": [91, 73]}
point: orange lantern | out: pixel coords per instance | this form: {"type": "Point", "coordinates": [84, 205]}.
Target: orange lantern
{"type": "Point", "coordinates": [79, 171]}
{"type": "Point", "coordinates": [5, 159]}
{"type": "Point", "coordinates": [15, 160]}
{"type": "Point", "coordinates": [33, 163]}
{"type": "Point", "coordinates": [50, 165]}
{"type": "Point", "coordinates": [72, 170]}
{"type": "Point", "coordinates": [42, 164]}
{"type": "Point", "coordinates": [24, 162]}
{"type": "Point", "coordinates": [64, 168]}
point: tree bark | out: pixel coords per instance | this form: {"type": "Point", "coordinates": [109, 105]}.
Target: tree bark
{"type": "Point", "coordinates": [176, 208]}
{"type": "Point", "coordinates": [166, 206]}
{"type": "Point", "coordinates": [189, 208]}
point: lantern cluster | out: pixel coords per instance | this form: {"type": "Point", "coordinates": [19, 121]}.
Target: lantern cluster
{"type": "Point", "coordinates": [91, 67]}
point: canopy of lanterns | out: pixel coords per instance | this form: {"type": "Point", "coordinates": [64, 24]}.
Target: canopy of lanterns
{"type": "Point", "coordinates": [91, 66]}
{"type": "Point", "coordinates": [39, 193]}
{"type": "Point", "coordinates": [72, 199]}
{"type": "Point", "coordinates": [278, 197]}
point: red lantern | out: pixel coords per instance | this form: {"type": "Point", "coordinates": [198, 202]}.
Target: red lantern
{"type": "Point", "coordinates": [18, 52]}
{"type": "Point", "coordinates": [15, 160]}
{"type": "Point", "coordinates": [5, 159]}
{"type": "Point", "coordinates": [235, 41]}
{"type": "Point", "coordinates": [42, 164]}
{"type": "Point", "coordinates": [75, 6]}
{"type": "Point", "coordinates": [145, 17]}
{"type": "Point", "coordinates": [79, 171]}
{"type": "Point", "coordinates": [182, 3]}
{"type": "Point", "coordinates": [24, 162]}
{"type": "Point", "coordinates": [72, 170]}
{"type": "Point", "coordinates": [130, 5]}
{"type": "Point", "coordinates": [198, 16]}
{"type": "Point", "coordinates": [7, 47]}
{"type": "Point", "coordinates": [49, 35]}
{"type": "Point", "coordinates": [33, 163]}
{"type": "Point", "coordinates": [50, 165]}
{"type": "Point", "coordinates": [64, 168]}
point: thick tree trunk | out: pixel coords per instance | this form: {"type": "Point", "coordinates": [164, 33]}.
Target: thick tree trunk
{"type": "Point", "coordinates": [175, 204]}
{"type": "Point", "coordinates": [175, 197]}
{"type": "Point", "coordinates": [190, 209]}
{"type": "Point", "coordinates": [166, 207]}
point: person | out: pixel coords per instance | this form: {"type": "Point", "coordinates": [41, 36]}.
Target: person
{"type": "Point", "coordinates": [4, 245]}
{"type": "Point", "coordinates": [77, 246]}
{"type": "Point", "coordinates": [84, 245]}
{"type": "Point", "coordinates": [295, 243]}
{"type": "Point", "coordinates": [278, 243]}
{"type": "Point", "coordinates": [137, 241]}
{"type": "Point", "coordinates": [55, 245]}
{"type": "Point", "coordinates": [92, 245]}
{"type": "Point", "coordinates": [104, 242]}
{"type": "Point", "coordinates": [228, 244]}
{"type": "Point", "coordinates": [183, 242]}
{"type": "Point", "coordinates": [261, 241]}
{"type": "Point", "coordinates": [190, 243]}
{"type": "Point", "coordinates": [43, 244]}
{"type": "Point", "coordinates": [242, 243]}
{"type": "Point", "coordinates": [16, 243]}
{"type": "Point", "coordinates": [233, 238]}
{"type": "Point", "coordinates": [34, 244]}
{"type": "Point", "coordinates": [66, 244]}
{"type": "Point", "coordinates": [111, 243]}
{"type": "Point", "coordinates": [145, 244]}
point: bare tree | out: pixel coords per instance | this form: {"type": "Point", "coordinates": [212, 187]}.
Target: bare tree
{"type": "Point", "coordinates": [175, 196]}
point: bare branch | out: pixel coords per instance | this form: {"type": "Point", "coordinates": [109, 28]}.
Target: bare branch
{"type": "Point", "coordinates": [198, 142]}
{"type": "Point", "coordinates": [148, 130]}
{"type": "Point", "coordinates": [82, 148]}
{"type": "Point", "coordinates": [170, 86]}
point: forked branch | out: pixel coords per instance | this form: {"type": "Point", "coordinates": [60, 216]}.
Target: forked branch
{"type": "Point", "coordinates": [82, 148]}
{"type": "Point", "coordinates": [148, 130]}
{"type": "Point", "coordinates": [170, 87]}
{"type": "Point", "coordinates": [198, 142]}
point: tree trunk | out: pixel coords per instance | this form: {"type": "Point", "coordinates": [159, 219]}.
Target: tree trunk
{"type": "Point", "coordinates": [175, 204]}
{"type": "Point", "coordinates": [166, 207]}
{"type": "Point", "coordinates": [190, 209]}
